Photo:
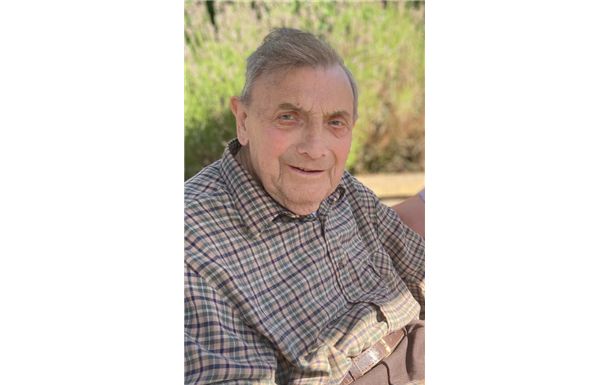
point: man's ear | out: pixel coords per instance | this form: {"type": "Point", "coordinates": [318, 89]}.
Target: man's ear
{"type": "Point", "coordinates": [239, 111]}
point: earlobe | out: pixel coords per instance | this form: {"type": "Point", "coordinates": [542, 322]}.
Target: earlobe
{"type": "Point", "coordinates": [239, 111]}
{"type": "Point", "coordinates": [242, 135]}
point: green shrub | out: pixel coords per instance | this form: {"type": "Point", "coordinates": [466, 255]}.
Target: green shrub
{"type": "Point", "coordinates": [382, 44]}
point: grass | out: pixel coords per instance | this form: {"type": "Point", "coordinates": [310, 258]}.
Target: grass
{"type": "Point", "coordinates": [383, 45]}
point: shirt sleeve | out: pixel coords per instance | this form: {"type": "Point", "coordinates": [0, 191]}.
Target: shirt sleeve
{"type": "Point", "coordinates": [219, 347]}
{"type": "Point", "coordinates": [406, 249]}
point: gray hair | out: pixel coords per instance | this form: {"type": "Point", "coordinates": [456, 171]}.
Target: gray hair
{"type": "Point", "coordinates": [285, 48]}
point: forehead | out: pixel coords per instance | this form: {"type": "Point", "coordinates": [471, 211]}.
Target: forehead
{"type": "Point", "coordinates": [325, 89]}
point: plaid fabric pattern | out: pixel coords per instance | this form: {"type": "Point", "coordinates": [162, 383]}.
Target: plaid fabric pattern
{"type": "Point", "coordinates": [272, 298]}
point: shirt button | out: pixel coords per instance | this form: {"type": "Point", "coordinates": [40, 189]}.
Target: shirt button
{"type": "Point", "coordinates": [341, 263]}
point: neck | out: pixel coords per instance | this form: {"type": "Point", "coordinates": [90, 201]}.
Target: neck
{"type": "Point", "coordinates": [243, 158]}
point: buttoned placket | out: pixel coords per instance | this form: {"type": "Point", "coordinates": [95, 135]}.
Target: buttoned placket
{"type": "Point", "coordinates": [333, 247]}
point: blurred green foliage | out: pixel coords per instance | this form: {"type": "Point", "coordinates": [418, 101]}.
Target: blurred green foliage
{"type": "Point", "coordinates": [381, 42]}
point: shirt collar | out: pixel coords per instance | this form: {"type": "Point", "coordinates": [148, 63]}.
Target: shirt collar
{"type": "Point", "coordinates": [255, 206]}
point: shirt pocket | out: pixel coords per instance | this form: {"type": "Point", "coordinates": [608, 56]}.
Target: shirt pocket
{"type": "Point", "coordinates": [397, 302]}
{"type": "Point", "coordinates": [360, 280]}
{"type": "Point", "coordinates": [383, 265]}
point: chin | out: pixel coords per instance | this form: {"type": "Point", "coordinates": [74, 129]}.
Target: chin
{"type": "Point", "coordinates": [307, 203]}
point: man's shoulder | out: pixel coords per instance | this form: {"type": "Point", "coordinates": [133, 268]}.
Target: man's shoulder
{"type": "Point", "coordinates": [206, 187]}
{"type": "Point", "coordinates": [353, 184]}
{"type": "Point", "coordinates": [358, 194]}
{"type": "Point", "coordinates": [208, 203]}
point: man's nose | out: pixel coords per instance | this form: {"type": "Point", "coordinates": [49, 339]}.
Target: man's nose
{"type": "Point", "coordinates": [312, 142]}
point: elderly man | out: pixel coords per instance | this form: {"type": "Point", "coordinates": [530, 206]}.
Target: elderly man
{"type": "Point", "coordinates": [295, 273]}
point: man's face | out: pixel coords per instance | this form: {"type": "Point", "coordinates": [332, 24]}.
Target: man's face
{"type": "Point", "coordinates": [297, 128]}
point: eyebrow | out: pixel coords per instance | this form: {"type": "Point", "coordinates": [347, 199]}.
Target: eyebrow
{"type": "Point", "coordinates": [290, 106]}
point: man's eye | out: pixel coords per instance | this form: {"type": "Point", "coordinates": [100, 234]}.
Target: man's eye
{"type": "Point", "coordinates": [287, 117]}
{"type": "Point", "coordinates": [338, 125]}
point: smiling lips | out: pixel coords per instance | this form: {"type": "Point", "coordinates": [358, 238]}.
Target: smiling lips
{"type": "Point", "coordinates": [306, 171]}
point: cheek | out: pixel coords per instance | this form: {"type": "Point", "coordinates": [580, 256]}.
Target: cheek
{"type": "Point", "coordinates": [342, 151]}
{"type": "Point", "coordinates": [270, 147]}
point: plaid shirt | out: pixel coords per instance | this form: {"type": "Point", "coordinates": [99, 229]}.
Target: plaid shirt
{"type": "Point", "coordinates": [271, 297]}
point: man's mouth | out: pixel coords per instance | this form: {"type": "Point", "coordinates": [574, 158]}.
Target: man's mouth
{"type": "Point", "coordinates": [305, 170]}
